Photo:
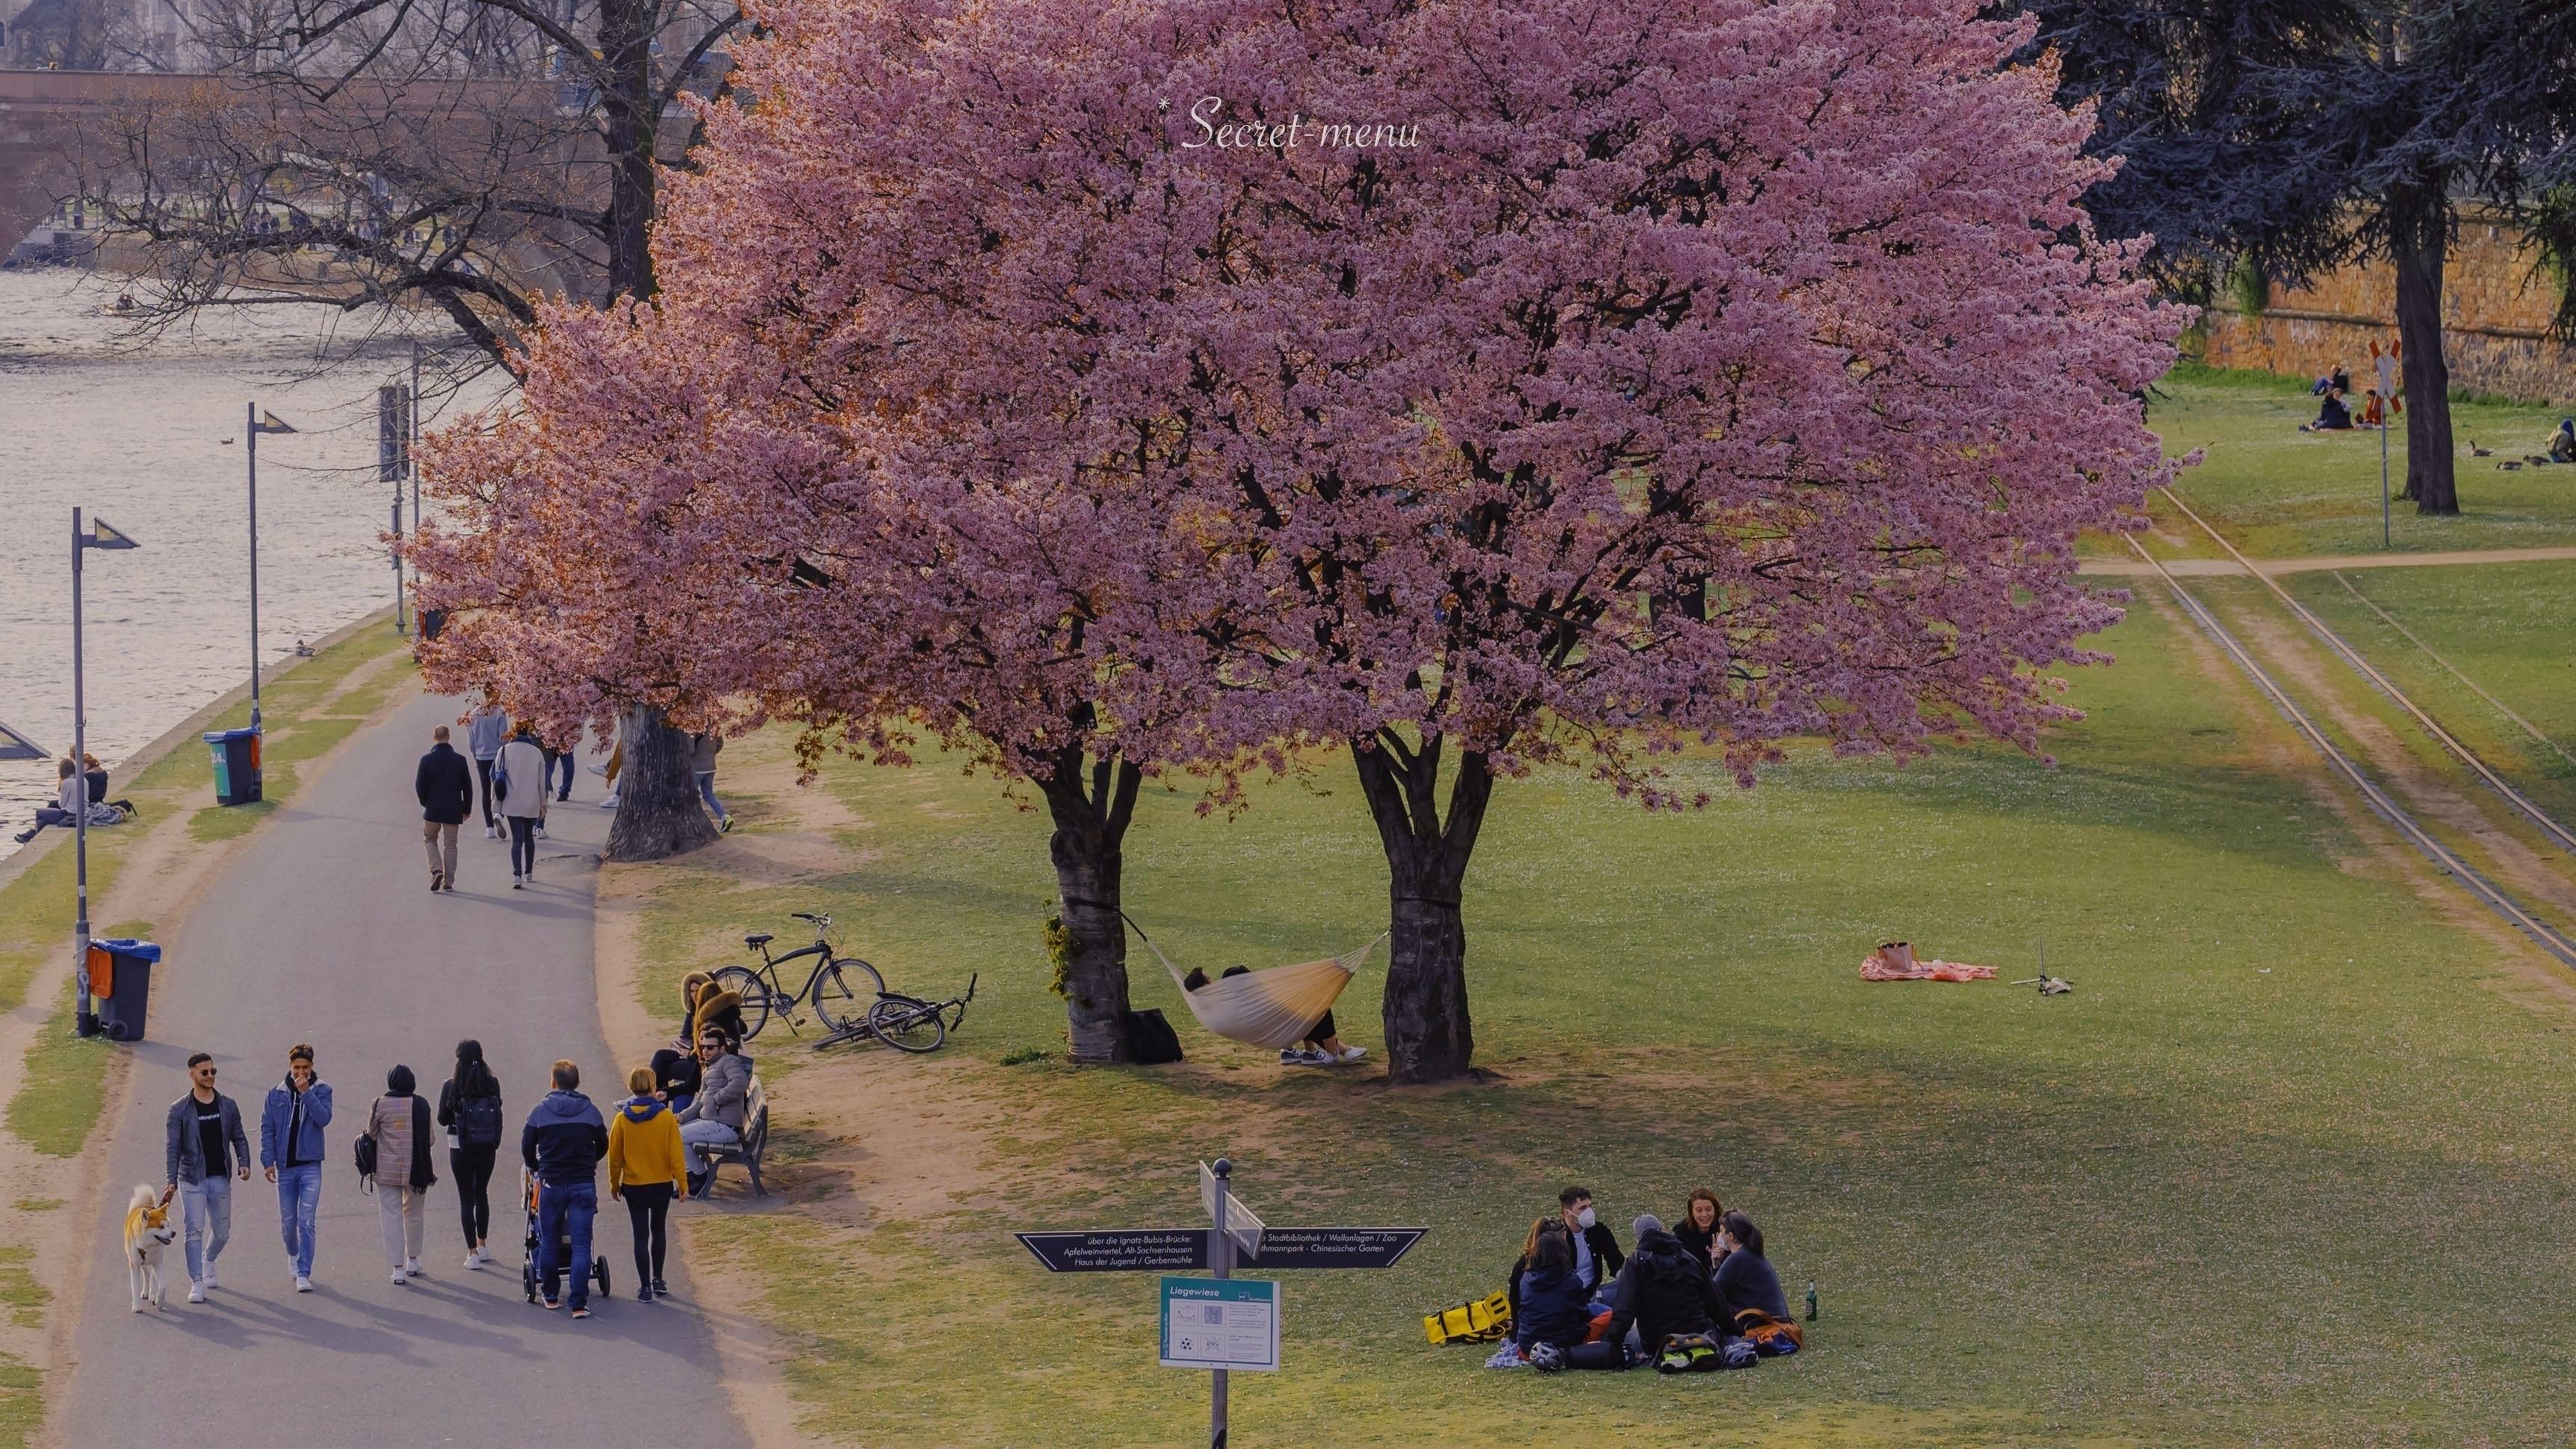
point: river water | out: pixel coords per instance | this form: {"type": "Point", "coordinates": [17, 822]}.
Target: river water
{"type": "Point", "coordinates": [150, 438]}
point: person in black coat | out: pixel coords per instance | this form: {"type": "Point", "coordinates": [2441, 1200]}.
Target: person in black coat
{"type": "Point", "coordinates": [445, 784]}
{"type": "Point", "coordinates": [1662, 1291]}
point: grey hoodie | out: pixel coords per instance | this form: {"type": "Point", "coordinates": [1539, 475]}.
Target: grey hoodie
{"type": "Point", "coordinates": [722, 1091]}
{"type": "Point", "coordinates": [485, 731]}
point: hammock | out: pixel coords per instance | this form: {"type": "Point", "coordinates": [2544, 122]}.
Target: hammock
{"type": "Point", "coordinates": [1272, 1007]}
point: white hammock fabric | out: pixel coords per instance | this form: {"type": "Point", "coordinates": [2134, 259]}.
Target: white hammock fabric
{"type": "Point", "coordinates": [1273, 1007]}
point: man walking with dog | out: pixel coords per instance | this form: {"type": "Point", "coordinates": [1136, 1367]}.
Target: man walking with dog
{"type": "Point", "coordinates": [290, 1148]}
{"type": "Point", "coordinates": [202, 1152]}
{"type": "Point", "coordinates": [562, 1144]}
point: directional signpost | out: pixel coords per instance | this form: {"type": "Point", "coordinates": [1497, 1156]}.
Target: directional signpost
{"type": "Point", "coordinates": [1219, 1323]}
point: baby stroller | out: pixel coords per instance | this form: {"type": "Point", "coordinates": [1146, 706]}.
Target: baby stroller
{"type": "Point", "coordinates": [530, 1277]}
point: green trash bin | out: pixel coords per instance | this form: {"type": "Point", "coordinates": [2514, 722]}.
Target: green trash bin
{"type": "Point", "coordinates": [236, 765]}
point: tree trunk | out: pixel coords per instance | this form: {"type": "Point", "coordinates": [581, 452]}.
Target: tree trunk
{"type": "Point", "coordinates": [1090, 829]}
{"type": "Point", "coordinates": [1429, 1035]}
{"type": "Point", "coordinates": [2417, 249]}
{"type": "Point", "coordinates": [630, 127]}
{"type": "Point", "coordinates": [658, 809]}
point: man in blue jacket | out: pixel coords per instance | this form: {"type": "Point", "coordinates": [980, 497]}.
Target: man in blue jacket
{"type": "Point", "coordinates": [562, 1144]}
{"type": "Point", "coordinates": [290, 1147]}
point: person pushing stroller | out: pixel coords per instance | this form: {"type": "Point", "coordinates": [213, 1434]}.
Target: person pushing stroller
{"type": "Point", "coordinates": [561, 1147]}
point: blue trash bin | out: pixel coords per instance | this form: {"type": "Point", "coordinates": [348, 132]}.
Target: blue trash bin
{"type": "Point", "coordinates": [129, 988]}
{"type": "Point", "coordinates": [236, 765]}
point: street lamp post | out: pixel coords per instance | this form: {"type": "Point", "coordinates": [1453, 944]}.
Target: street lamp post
{"type": "Point", "coordinates": [259, 422]}
{"type": "Point", "coordinates": [100, 535]}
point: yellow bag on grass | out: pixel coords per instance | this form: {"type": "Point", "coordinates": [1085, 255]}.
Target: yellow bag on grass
{"type": "Point", "coordinates": [1482, 1321]}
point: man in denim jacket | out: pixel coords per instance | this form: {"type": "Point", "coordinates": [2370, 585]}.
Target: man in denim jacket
{"type": "Point", "coordinates": [290, 1147]}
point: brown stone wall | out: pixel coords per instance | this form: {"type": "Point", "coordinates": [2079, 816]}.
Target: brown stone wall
{"type": "Point", "coordinates": [2495, 320]}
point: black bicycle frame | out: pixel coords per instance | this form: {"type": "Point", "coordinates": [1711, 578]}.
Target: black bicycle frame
{"type": "Point", "coordinates": [770, 964]}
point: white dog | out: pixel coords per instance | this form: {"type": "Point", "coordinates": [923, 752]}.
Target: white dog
{"type": "Point", "coordinates": [147, 1232]}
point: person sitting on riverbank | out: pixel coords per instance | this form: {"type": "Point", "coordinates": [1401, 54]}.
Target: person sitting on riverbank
{"type": "Point", "coordinates": [73, 798]}
{"type": "Point", "coordinates": [96, 774]}
{"type": "Point", "coordinates": [2333, 416]}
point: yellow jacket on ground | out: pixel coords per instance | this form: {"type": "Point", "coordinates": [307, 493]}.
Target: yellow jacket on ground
{"type": "Point", "coordinates": [643, 1144]}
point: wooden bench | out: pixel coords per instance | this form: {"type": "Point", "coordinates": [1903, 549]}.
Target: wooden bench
{"type": "Point", "coordinates": [755, 1139]}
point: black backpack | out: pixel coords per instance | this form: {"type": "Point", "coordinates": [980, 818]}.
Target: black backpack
{"type": "Point", "coordinates": [1152, 1039]}
{"type": "Point", "coordinates": [365, 1148]}
{"type": "Point", "coordinates": [478, 1122]}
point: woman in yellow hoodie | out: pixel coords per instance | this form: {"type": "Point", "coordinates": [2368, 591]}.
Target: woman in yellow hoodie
{"type": "Point", "coordinates": [644, 1168]}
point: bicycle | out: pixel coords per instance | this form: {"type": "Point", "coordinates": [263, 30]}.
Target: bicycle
{"type": "Point", "coordinates": [910, 1024]}
{"type": "Point", "coordinates": [841, 989]}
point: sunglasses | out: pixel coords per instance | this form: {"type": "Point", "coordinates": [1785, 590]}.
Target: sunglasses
{"type": "Point", "coordinates": [205, 1071]}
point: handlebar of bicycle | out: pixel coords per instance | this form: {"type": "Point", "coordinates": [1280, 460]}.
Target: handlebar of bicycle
{"type": "Point", "coordinates": [818, 920]}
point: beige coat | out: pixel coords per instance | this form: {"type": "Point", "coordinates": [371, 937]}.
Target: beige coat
{"type": "Point", "coordinates": [389, 1122]}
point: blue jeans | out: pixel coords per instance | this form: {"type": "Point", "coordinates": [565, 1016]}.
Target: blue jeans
{"type": "Point", "coordinates": [707, 792]}
{"type": "Point", "coordinates": [207, 1207]}
{"type": "Point", "coordinates": [299, 1201]}
{"type": "Point", "coordinates": [523, 845]}
{"type": "Point", "coordinates": [561, 1212]}
{"type": "Point", "coordinates": [570, 760]}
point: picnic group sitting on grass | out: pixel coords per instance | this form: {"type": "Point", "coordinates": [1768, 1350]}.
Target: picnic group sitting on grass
{"type": "Point", "coordinates": [1694, 1297]}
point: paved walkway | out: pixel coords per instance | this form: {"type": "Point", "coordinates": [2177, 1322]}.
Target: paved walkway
{"type": "Point", "coordinates": [2188, 567]}
{"type": "Point", "coordinates": [327, 933]}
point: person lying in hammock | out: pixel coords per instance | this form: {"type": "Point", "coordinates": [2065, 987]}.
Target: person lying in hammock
{"type": "Point", "coordinates": [1321, 1048]}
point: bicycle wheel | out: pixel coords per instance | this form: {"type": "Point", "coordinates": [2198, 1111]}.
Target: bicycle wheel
{"type": "Point", "coordinates": [746, 983]}
{"type": "Point", "coordinates": [842, 998]}
{"type": "Point", "coordinates": [907, 1025]}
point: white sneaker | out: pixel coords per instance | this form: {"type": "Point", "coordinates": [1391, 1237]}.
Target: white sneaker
{"type": "Point", "coordinates": [209, 1279]}
{"type": "Point", "coordinates": [482, 1254]}
{"type": "Point", "coordinates": [399, 1279]}
{"type": "Point", "coordinates": [608, 804]}
{"type": "Point", "coordinates": [303, 1285]}
{"type": "Point", "coordinates": [412, 1266]}
{"type": "Point", "coordinates": [539, 832]}
{"type": "Point", "coordinates": [600, 768]}
{"type": "Point", "coordinates": [491, 832]}
{"type": "Point", "coordinates": [196, 1291]}
{"type": "Point", "coordinates": [1316, 1058]}
{"type": "Point", "coordinates": [1348, 1056]}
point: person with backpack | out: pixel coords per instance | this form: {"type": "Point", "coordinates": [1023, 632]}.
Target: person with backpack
{"type": "Point", "coordinates": [290, 1148]}
{"type": "Point", "coordinates": [1664, 1293]}
{"type": "Point", "coordinates": [644, 1168]}
{"type": "Point", "coordinates": [395, 1154]}
{"type": "Point", "coordinates": [521, 777]}
{"type": "Point", "coordinates": [469, 1108]}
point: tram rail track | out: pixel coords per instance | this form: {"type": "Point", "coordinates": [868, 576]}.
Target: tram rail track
{"type": "Point", "coordinates": [2558, 944]}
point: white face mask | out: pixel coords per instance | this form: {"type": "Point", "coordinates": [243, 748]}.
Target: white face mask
{"type": "Point", "coordinates": [1585, 1219]}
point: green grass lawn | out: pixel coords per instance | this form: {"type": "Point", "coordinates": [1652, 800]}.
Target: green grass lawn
{"type": "Point", "coordinates": [2288, 494]}
{"type": "Point", "coordinates": [2289, 1167]}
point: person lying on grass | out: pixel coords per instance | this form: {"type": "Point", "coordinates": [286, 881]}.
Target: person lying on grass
{"type": "Point", "coordinates": [1552, 1317]}
{"type": "Point", "coordinates": [1661, 1292]}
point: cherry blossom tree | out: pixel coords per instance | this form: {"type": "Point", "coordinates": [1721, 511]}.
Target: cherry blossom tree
{"type": "Point", "coordinates": [1478, 386]}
